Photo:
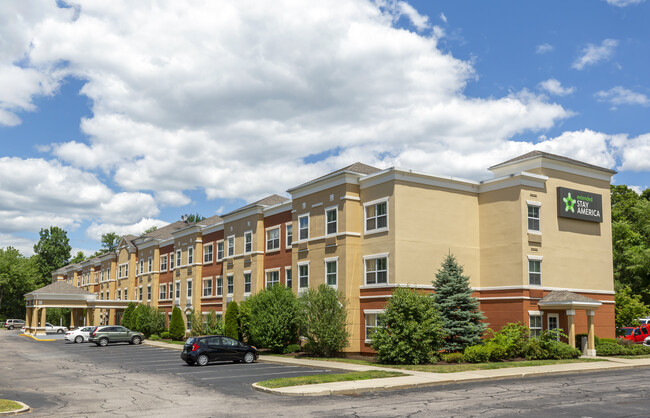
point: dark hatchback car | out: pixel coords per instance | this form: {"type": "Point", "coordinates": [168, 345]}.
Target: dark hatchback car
{"type": "Point", "coordinates": [202, 350]}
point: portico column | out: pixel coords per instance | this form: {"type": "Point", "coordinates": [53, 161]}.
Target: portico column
{"type": "Point", "coordinates": [43, 311]}
{"type": "Point", "coordinates": [34, 319]}
{"type": "Point", "coordinates": [73, 318]}
{"type": "Point", "coordinates": [591, 335]}
{"type": "Point", "coordinates": [571, 316]}
{"type": "Point", "coordinates": [28, 319]}
{"type": "Point", "coordinates": [89, 316]}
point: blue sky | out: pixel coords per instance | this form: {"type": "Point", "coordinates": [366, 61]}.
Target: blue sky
{"type": "Point", "coordinates": [122, 116]}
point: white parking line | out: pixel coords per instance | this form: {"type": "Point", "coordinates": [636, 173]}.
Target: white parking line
{"type": "Point", "coordinates": [261, 374]}
{"type": "Point", "coordinates": [215, 370]}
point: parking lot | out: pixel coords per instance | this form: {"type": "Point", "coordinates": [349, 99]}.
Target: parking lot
{"type": "Point", "coordinates": [226, 377]}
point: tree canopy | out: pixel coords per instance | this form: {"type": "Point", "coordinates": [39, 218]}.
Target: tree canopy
{"type": "Point", "coordinates": [52, 252]}
{"type": "Point", "coordinates": [192, 218]}
{"type": "Point", "coordinates": [17, 277]}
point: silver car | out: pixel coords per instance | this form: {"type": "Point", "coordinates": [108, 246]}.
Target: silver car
{"type": "Point", "coordinates": [79, 335]}
{"type": "Point", "coordinates": [14, 323]}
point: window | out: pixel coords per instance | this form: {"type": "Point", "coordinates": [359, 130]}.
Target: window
{"type": "Point", "coordinates": [273, 239]}
{"type": "Point", "coordinates": [289, 235]}
{"type": "Point", "coordinates": [377, 270]}
{"type": "Point", "coordinates": [207, 287]}
{"type": "Point", "coordinates": [331, 272]}
{"type": "Point", "coordinates": [108, 274]}
{"type": "Point", "coordinates": [288, 278]}
{"type": "Point", "coordinates": [219, 250]}
{"type": "Point", "coordinates": [171, 261]}
{"type": "Point", "coordinates": [248, 242]}
{"type": "Point", "coordinates": [330, 221]}
{"type": "Point", "coordinates": [141, 267]}
{"type": "Point", "coordinates": [372, 323]}
{"type": "Point", "coordinates": [189, 289]}
{"type": "Point", "coordinates": [303, 276]}
{"type": "Point", "coordinates": [231, 285]}
{"type": "Point", "coordinates": [533, 218]}
{"type": "Point", "coordinates": [171, 290]}
{"type": "Point", "coordinates": [535, 272]}
{"type": "Point", "coordinates": [140, 291]}
{"type": "Point", "coordinates": [178, 258]}
{"type": "Point", "coordinates": [125, 293]}
{"type": "Point", "coordinates": [119, 294]}
{"type": "Point", "coordinates": [231, 246]}
{"type": "Point", "coordinates": [149, 292]}
{"type": "Point", "coordinates": [219, 286]}
{"type": "Point", "coordinates": [247, 283]}
{"type": "Point", "coordinates": [178, 289]}
{"type": "Point", "coordinates": [272, 277]}
{"type": "Point", "coordinates": [188, 318]}
{"type": "Point", "coordinates": [190, 255]}
{"type": "Point", "coordinates": [535, 325]}
{"type": "Point", "coordinates": [554, 323]}
{"type": "Point", "coordinates": [150, 264]}
{"type": "Point", "coordinates": [303, 227]}
{"type": "Point", "coordinates": [163, 263]}
{"type": "Point", "coordinates": [207, 253]}
{"type": "Point", "coordinates": [376, 216]}
{"type": "Point", "coordinates": [162, 292]}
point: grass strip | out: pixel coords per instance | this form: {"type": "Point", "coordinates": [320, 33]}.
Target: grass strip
{"type": "Point", "coordinates": [633, 357]}
{"type": "Point", "coordinates": [8, 406]}
{"type": "Point", "coordinates": [327, 378]}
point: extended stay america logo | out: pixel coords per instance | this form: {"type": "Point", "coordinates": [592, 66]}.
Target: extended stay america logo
{"type": "Point", "coordinates": [578, 204]}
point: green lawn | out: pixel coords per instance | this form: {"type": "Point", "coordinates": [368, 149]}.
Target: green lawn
{"type": "Point", "coordinates": [633, 357]}
{"type": "Point", "coordinates": [452, 368]}
{"type": "Point", "coordinates": [327, 378]}
{"type": "Point", "coordinates": [169, 342]}
{"type": "Point", "coordinates": [6, 405]}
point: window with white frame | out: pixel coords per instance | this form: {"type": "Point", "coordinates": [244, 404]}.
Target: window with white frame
{"type": "Point", "coordinates": [172, 261]}
{"type": "Point", "coordinates": [533, 218]}
{"type": "Point", "coordinates": [125, 293]}
{"type": "Point", "coordinates": [231, 284]}
{"type": "Point", "coordinates": [140, 291]}
{"type": "Point", "coordinates": [288, 279]}
{"type": "Point", "coordinates": [331, 276]}
{"type": "Point", "coordinates": [189, 288]}
{"type": "Point", "coordinates": [303, 227]}
{"type": "Point", "coordinates": [163, 262]}
{"type": "Point", "coordinates": [219, 288]}
{"type": "Point", "coordinates": [273, 239]}
{"type": "Point", "coordinates": [150, 264]}
{"type": "Point", "coordinates": [119, 294]}
{"type": "Point", "coordinates": [178, 289]}
{"type": "Point", "coordinates": [162, 295]}
{"type": "Point", "coordinates": [535, 325]}
{"type": "Point", "coordinates": [219, 250]}
{"type": "Point", "coordinates": [108, 273]}
{"type": "Point", "coordinates": [376, 216]}
{"type": "Point", "coordinates": [171, 290]}
{"type": "Point", "coordinates": [148, 292]}
{"type": "Point", "coordinates": [331, 215]}
{"type": "Point", "coordinates": [179, 254]}
{"type": "Point", "coordinates": [207, 287]}
{"type": "Point", "coordinates": [207, 253]}
{"type": "Point", "coordinates": [303, 276]}
{"type": "Point", "coordinates": [372, 322]}
{"type": "Point", "coordinates": [272, 277]}
{"type": "Point", "coordinates": [376, 270]}
{"type": "Point", "coordinates": [190, 255]}
{"type": "Point", "coordinates": [535, 272]}
{"type": "Point", "coordinates": [248, 242]}
{"type": "Point", "coordinates": [141, 267]}
{"type": "Point", "coordinates": [289, 228]}
{"type": "Point", "coordinates": [247, 282]}
{"type": "Point", "coordinates": [231, 246]}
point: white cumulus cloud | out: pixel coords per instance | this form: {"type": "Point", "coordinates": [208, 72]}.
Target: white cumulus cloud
{"type": "Point", "coordinates": [622, 96]}
{"type": "Point", "coordinates": [544, 48]}
{"type": "Point", "coordinates": [623, 3]}
{"type": "Point", "coordinates": [554, 87]}
{"type": "Point", "coordinates": [593, 54]}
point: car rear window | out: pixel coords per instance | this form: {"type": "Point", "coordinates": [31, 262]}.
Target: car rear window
{"type": "Point", "coordinates": [190, 341]}
{"type": "Point", "coordinates": [628, 331]}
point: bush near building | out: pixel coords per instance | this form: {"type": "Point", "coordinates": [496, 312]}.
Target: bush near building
{"type": "Point", "coordinates": [245, 321]}
{"type": "Point", "coordinates": [619, 347]}
{"type": "Point", "coordinates": [411, 331]}
{"type": "Point", "coordinates": [213, 323]}
{"type": "Point", "coordinates": [148, 320]}
{"type": "Point", "coordinates": [197, 326]}
{"type": "Point", "coordinates": [274, 318]}
{"type": "Point", "coordinates": [324, 320]}
{"type": "Point", "coordinates": [128, 320]}
{"type": "Point", "coordinates": [231, 328]}
{"type": "Point", "coordinates": [176, 325]}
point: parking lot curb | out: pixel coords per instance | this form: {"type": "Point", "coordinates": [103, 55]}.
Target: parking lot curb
{"type": "Point", "coordinates": [36, 339]}
{"type": "Point", "coordinates": [176, 347]}
{"type": "Point", "coordinates": [25, 408]}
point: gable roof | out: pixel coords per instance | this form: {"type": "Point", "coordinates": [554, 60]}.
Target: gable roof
{"type": "Point", "coordinates": [59, 288]}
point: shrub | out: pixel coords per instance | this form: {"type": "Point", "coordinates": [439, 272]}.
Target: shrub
{"type": "Point", "coordinates": [412, 329]}
{"type": "Point", "coordinates": [274, 318]}
{"type": "Point", "coordinates": [128, 320]}
{"type": "Point", "coordinates": [496, 352]}
{"type": "Point", "coordinates": [534, 350]}
{"type": "Point", "coordinates": [607, 348]}
{"type": "Point", "coordinates": [176, 325]}
{"type": "Point", "coordinates": [231, 328]}
{"type": "Point", "coordinates": [154, 338]}
{"type": "Point", "coordinates": [245, 320]}
{"type": "Point", "coordinates": [149, 320]}
{"type": "Point", "coordinates": [453, 358]}
{"type": "Point", "coordinates": [476, 354]}
{"type": "Point", "coordinates": [197, 327]}
{"type": "Point", "coordinates": [512, 338]}
{"type": "Point", "coordinates": [548, 346]}
{"type": "Point", "coordinates": [324, 320]}
{"type": "Point", "coordinates": [620, 347]}
{"type": "Point", "coordinates": [291, 348]}
{"type": "Point", "coordinates": [213, 323]}
{"type": "Point", "coordinates": [165, 335]}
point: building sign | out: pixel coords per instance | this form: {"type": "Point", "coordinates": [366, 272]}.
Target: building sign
{"type": "Point", "coordinates": [577, 204]}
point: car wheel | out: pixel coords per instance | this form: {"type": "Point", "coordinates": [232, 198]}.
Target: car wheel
{"type": "Point", "coordinates": [202, 360]}
{"type": "Point", "coordinates": [136, 340]}
{"type": "Point", "coordinates": [79, 339]}
{"type": "Point", "coordinates": [103, 341]}
{"type": "Point", "coordinates": [10, 327]}
{"type": "Point", "coordinates": [60, 331]}
{"type": "Point", "coordinates": [249, 357]}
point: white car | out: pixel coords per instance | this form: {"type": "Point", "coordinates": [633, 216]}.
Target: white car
{"type": "Point", "coordinates": [54, 328]}
{"type": "Point", "coordinates": [79, 335]}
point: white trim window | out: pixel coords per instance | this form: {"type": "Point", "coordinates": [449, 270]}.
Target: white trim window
{"type": "Point", "coordinates": [303, 276]}
{"type": "Point", "coordinates": [376, 214]}
{"type": "Point", "coordinates": [535, 272]}
{"type": "Point", "coordinates": [171, 290]}
{"type": "Point", "coordinates": [207, 253]}
{"type": "Point", "coordinates": [303, 227]}
{"type": "Point", "coordinates": [273, 239]}
{"type": "Point", "coordinates": [190, 255]}
{"type": "Point", "coordinates": [272, 277]}
{"type": "Point", "coordinates": [231, 246]}
{"type": "Point", "coordinates": [331, 221]}
{"type": "Point", "coordinates": [247, 283]}
{"type": "Point", "coordinates": [119, 294]}
{"type": "Point", "coordinates": [172, 261]}
{"type": "Point", "coordinates": [149, 292]}
{"type": "Point", "coordinates": [231, 284]}
{"type": "Point", "coordinates": [376, 269]}
{"type": "Point", "coordinates": [179, 255]}
{"type": "Point", "coordinates": [178, 290]}
{"type": "Point", "coordinates": [150, 264]}
{"type": "Point", "coordinates": [163, 263]}
{"type": "Point", "coordinates": [289, 228]}
{"type": "Point", "coordinates": [219, 287]}
{"type": "Point", "coordinates": [535, 325]}
{"type": "Point", "coordinates": [288, 279]}
{"type": "Point", "coordinates": [248, 242]}
{"type": "Point", "coordinates": [189, 288]}
{"type": "Point", "coordinates": [141, 267]}
{"type": "Point", "coordinates": [371, 322]}
{"type": "Point", "coordinates": [207, 287]}
{"type": "Point", "coordinates": [141, 292]}
{"type": "Point", "coordinates": [331, 271]}
{"type": "Point", "coordinates": [162, 292]}
{"type": "Point", "coordinates": [219, 250]}
{"type": "Point", "coordinates": [533, 218]}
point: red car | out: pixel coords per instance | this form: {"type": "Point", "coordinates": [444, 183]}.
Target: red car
{"type": "Point", "coordinates": [636, 334]}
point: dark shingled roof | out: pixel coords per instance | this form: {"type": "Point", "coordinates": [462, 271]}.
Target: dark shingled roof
{"type": "Point", "coordinates": [272, 200]}
{"type": "Point", "coordinates": [211, 220]}
{"type": "Point", "coordinates": [566, 296]}
{"type": "Point", "coordinates": [166, 231]}
{"type": "Point", "coordinates": [357, 167]}
{"type": "Point", "coordinates": [537, 153]}
{"type": "Point", "coordinates": [60, 288]}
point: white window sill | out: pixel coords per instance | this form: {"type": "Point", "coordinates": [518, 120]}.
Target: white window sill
{"type": "Point", "coordinates": [366, 285]}
{"type": "Point", "coordinates": [535, 232]}
{"type": "Point", "coordinates": [207, 262]}
{"type": "Point", "coordinates": [275, 250]}
{"type": "Point", "coordinates": [375, 231]}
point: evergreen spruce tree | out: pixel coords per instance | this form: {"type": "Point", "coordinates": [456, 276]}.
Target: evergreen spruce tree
{"type": "Point", "coordinates": [461, 317]}
{"type": "Point", "coordinates": [176, 325]}
{"type": "Point", "coordinates": [231, 328]}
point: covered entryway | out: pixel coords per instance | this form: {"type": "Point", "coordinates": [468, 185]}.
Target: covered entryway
{"type": "Point", "coordinates": [570, 302]}
{"type": "Point", "coordinates": [64, 295]}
